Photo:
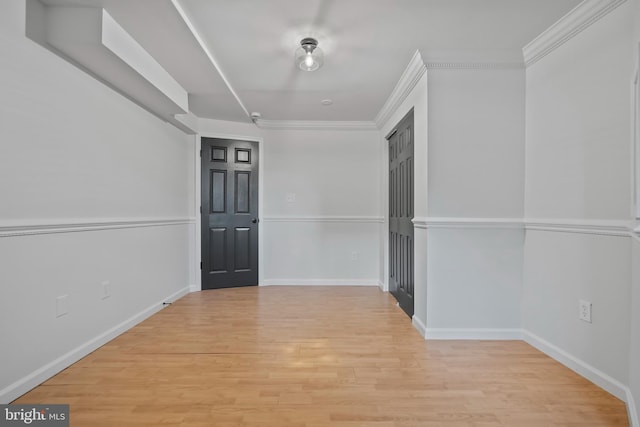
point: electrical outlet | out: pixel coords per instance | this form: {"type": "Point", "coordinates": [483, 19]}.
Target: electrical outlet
{"type": "Point", "coordinates": [106, 290]}
{"type": "Point", "coordinates": [62, 307]}
{"type": "Point", "coordinates": [585, 311]}
{"type": "Point", "coordinates": [291, 197]}
{"type": "Point", "coordinates": [354, 256]}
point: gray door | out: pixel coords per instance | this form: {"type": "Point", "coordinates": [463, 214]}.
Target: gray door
{"type": "Point", "coordinates": [229, 213]}
{"type": "Point", "coordinates": [401, 213]}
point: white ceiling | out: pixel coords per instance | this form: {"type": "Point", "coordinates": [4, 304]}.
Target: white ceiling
{"type": "Point", "coordinates": [367, 45]}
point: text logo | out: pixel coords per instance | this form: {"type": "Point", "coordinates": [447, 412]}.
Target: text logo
{"type": "Point", "coordinates": [34, 415]}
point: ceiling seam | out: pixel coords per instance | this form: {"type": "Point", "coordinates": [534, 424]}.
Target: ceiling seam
{"type": "Point", "coordinates": [207, 51]}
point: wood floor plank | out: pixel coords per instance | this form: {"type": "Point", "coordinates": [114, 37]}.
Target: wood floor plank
{"type": "Point", "coordinates": [315, 356]}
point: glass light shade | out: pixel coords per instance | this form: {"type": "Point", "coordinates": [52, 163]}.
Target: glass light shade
{"type": "Point", "coordinates": [309, 56]}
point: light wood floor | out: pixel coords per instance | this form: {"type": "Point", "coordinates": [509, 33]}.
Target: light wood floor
{"type": "Point", "coordinates": [315, 356]}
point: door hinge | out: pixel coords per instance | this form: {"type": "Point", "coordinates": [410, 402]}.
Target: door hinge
{"type": "Point", "coordinates": [200, 153]}
{"type": "Point", "coordinates": [200, 209]}
{"type": "Point", "coordinates": [200, 265]}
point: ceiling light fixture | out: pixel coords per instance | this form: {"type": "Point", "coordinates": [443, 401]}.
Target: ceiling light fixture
{"type": "Point", "coordinates": [309, 56]}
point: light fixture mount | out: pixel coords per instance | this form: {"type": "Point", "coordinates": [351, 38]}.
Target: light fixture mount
{"type": "Point", "coordinates": [309, 56]}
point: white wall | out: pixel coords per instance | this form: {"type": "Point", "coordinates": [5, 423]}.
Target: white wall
{"type": "Point", "coordinates": [209, 127]}
{"type": "Point", "coordinates": [474, 282]}
{"type": "Point", "coordinates": [476, 143]}
{"type": "Point", "coordinates": [578, 171]}
{"type": "Point", "coordinates": [562, 268]}
{"type": "Point", "coordinates": [322, 209]}
{"type": "Point", "coordinates": [475, 168]}
{"type": "Point", "coordinates": [578, 100]}
{"type": "Point", "coordinates": [73, 153]}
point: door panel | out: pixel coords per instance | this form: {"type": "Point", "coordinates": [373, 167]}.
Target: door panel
{"type": "Point", "coordinates": [401, 165]}
{"type": "Point", "coordinates": [230, 218]}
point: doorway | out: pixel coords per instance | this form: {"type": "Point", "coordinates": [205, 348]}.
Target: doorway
{"type": "Point", "coordinates": [229, 211]}
{"type": "Point", "coordinates": [401, 205]}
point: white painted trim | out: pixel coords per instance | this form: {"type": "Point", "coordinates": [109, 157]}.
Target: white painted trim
{"type": "Point", "coordinates": [205, 48]}
{"type": "Point", "coordinates": [435, 222]}
{"type": "Point", "coordinates": [381, 286]}
{"type": "Point", "coordinates": [188, 123]}
{"type": "Point", "coordinates": [195, 288]}
{"type": "Point", "coordinates": [573, 23]}
{"type": "Point", "coordinates": [635, 135]}
{"type": "Point", "coordinates": [348, 219]}
{"type": "Point", "coordinates": [198, 198]}
{"type": "Point", "coordinates": [197, 238]}
{"type": "Point", "coordinates": [594, 375]}
{"type": "Point", "coordinates": [419, 223]}
{"type": "Point", "coordinates": [488, 334]}
{"type": "Point", "coordinates": [474, 65]}
{"type": "Point", "coordinates": [315, 125]}
{"type": "Point", "coordinates": [23, 385]}
{"type": "Point", "coordinates": [410, 77]}
{"type": "Point", "coordinates": [419, 325]}
{"type": "Point", "coordinates": [582, 226]}
{"type": "Point", "coordinates": [320, 282]}
{"type": "Point", "coordinates": [29, 228]}
{"type": "Point", "coordinates": [632, 411]}
{"type": "Point", "coordinates": [616, 228]}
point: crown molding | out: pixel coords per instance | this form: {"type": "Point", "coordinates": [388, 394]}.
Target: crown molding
{"type": "Point", "coordinates": [474, 65]}
{"type": "Point", "coordinates": [573, 23]}
{"type": "Point", "coordinates": [403, 88]}
{"type": "Point", "coordinates": [314, 125]}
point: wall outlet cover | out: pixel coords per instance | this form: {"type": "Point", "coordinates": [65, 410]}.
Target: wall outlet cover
{"type": "Point", "coordinates": [62, 306]}
{"type": "Point", "coordinates": [106, 289]}
{"type": "Point", "coordinates": [585, 310]}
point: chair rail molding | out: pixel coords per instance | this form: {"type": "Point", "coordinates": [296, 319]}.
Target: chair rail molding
{"type": "Point", "coordinates": [35, 227]}
{"type": "Point", "coordinates": [583, 226]}
{"type": "Point", "coordinates": [455, 222]}
{"type": "Point", "coordinates": [343, 219]}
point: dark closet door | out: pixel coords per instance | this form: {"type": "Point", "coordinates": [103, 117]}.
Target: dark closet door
{"type": "Point", "coordinates": [401, 213]}
{"type": "Point", "coordinates": [229, 213]}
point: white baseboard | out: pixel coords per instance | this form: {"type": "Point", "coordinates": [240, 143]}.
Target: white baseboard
{"type": "Point", "coordinates": [488, 334]}
{"type": "Point", "coordinates": [194, 288]}
{"type": "Point", "coordinates": [419, 325]}
{"type": "Point", "coordinates": [632, 410]}
{"type": "Point", "coordinates": [594, 375]}
{"type": "Point", "coordinates": [320, 282]}
{"type": "Point", "coordinates": [42, 374]}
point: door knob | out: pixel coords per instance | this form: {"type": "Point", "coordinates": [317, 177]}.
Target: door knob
{"type": "Point", "coordinates": [254, 220]}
